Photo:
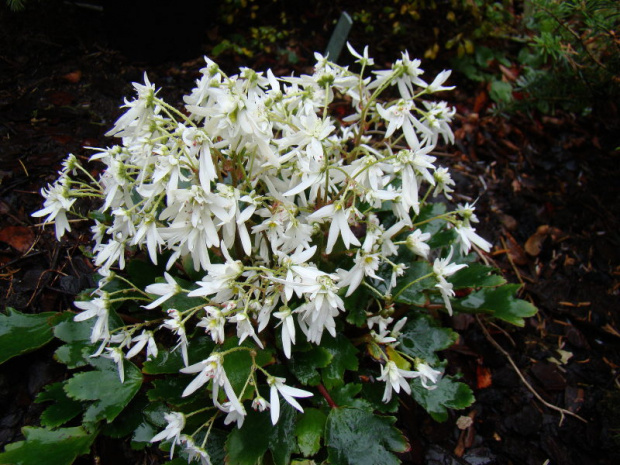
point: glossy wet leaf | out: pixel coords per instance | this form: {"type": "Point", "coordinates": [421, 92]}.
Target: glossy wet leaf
{"type": "Point", "coordinates": [171, 361]}
{"type": "Point", "coordinates": [347, 395]}
{"type": "Point", "coordinates": [359, 437]}
{"type": "Point", "coordinates": [421, 337]}
{"type": "Point", "coordinates": [409, 288]}
{"type": "Point", "coordinates": [61, 410]}
{"type": "Point", "coordinates": [245, 446]}
{"type": "Point", "coordinates": [52, 447]}
{"type": "Point", "coordinates": [309, 430]}
{"type": "Point", "coordinates": [476, 275]}
{"type": "Point", "coordinates": [305, 365]}
{"type": "Point", "coordinates": [448, 394]}
{"type": "Point", "coordinates": [499, 302]}
{"type": "Point", "coordinates": [104, 387]}
{"type": "Point", "coordinates": [343, 357]}
{"type": "Point", "coordinates": [21, 333]}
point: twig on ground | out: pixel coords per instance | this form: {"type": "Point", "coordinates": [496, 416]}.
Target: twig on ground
{"type": "Point", "coordinates": [495, 344]}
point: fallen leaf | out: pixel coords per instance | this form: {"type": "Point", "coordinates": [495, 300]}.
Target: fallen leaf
{"type": "Point", "coordinates": [515, 251]}
{"type": "Point", "coordinates": [18, 237]}
{"type": "Point", "coordinates": [74, 77]}
{"type": "Point", "coordinates": [534, 245]}
{"type": "Point", "coordinates": [483, 377]}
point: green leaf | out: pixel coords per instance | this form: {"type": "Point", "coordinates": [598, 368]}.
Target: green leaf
{"type": "Point", "coordinates": [238, 364]}
{"type": "Point", "coordinates": [74, 331]}
{"type": "Point", "coordinates": [409, 287]}
{"type": "Point", "coordinates": [421, 337]}
{"type": "Point", "coordinates": [248, 444]}
{"type": "Point", "coordinates": [169, 362]}
{"type": "Point", "coordinates": [58, 447]}
{"type": "Point", "coordinates": [309, 431]}
{"type": "Point", "coordinates": [170, 389]}
{"type": "Point", "coordinates": [358, 437]}
{"type": "Point", "coordinates": [142, 273]}
{"type": "Point", "coordinates": [128, 420]}
{"type": "Point", "coordinates": [305, 365]}
{"type": "Point", "coordinates": [62, 410]}
{"type": "Point", "coordinates": [356, 305]}
{"type": "Point", "coordinates": [104, 386]}
{"type": "Point", "coordinates": [282, 441]}
{"type": "Point", "coordinates": [347, 396]}
{"type": "Point", "coordinates": [499, 302]}
{"type": "Point", "coordinates": [343, 357]}
{"type": "Point", "coordinates": [442, 238]}
{"type": "Point", "coordinates": [500, 91]}
{"type": "Point", "coordinates": [428, 211]}
{"type": "Point", "coordinates": [75, 354]}
{"type": "Point", "coordinates": [373, 394]}
{"type": "Point", "coordinates": [476, 275]}
{"type": "Point", "coordinates": [21, 333]}
{"type": "Point", "coordinates": [447, 394]}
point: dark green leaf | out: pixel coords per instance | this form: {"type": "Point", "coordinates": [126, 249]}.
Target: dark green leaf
{"type": "Point", "coordinates": [343, 357]}
{"type": "Point", "coordinates": [476, 275]}
{"type": "Point", "coordinates": [104, 386]}
{"type": "Point", "coordinates": [128, 420]}
{"type": "Point", "coordinates": [409, 287]}
{"type": "Point", "coordinates": [74, 354]}
{"type": "Point", "coordinates": [373, 394]}
{"type": "Point", "coordinates": [170, 362]}
{"type": "Point", "coordinates": [447, 394]}
{"type": "Point", "coordinates": [74, 331]}
{"type": "Point", "coordinates": [499, 302]}
{"type": "Point", "coordinates": [421, 338]}
{"type": "Point", "coordinates": [282, 441]}
{"type": "Point", "coordinates": [21, 333]}
{"type": "Point", "coordinates": [309, 431]}
{"type": "Point", "coordinates": [305, 365]}
{"type": "Point", "coordinates": [356, 305]}
{"type": "Point", "coordinates": [358, 437]}
{"type": "Point", "coordinates": [62, 410]}
{"type": "Point", "coordinates": [348, 396]}
{"type": "Point", "coordinates": [58, 447]}
{"type": "Point", "coordinates": [442, 238]}
{"type": "Point", "coordinates": [427, 212]}
{"type": "Point", "coordinates": [248, 444]}
{"type": "Point", "coordinates": [142, 273]}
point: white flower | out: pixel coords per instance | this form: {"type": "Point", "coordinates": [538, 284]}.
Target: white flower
{"type": "Point", "coordinates": [209, 369]}
{"type": "Point", "coordinates": [362, 60]}
{"type": "Point", "coordinates": [99, 308]}
{"type": "Point", "coordinates": [235, 413]}
{"type": "Point", "coordinates": [176, 423]}
{"type": "Point", "coordinates": [175, 325]}
{"type": "Point", "coordinates": [288, 329]}
{"type": "Point", "coordinates": [144, 339]}
{"type": "Point", "coordinates": [289, 393]}
{"type": "Point", "coordinates": [466, 236]}
{"type": "Point", "coordinates": [214, 323]}
{"type": "Point", "coordinates": [442, 269]}
{"type": "Point", "coordinates": [426, 374]}
{"type": "Point", "coordinates": [194, 452]}
{"type": "Point", "coordinates": [166, 290]}
{"type": "Point", "coordinates": [116, 354]}
{"type": "Point", "coordinates": [260, 404]}
{"type": "Point", "coordinates": [395, 379]}
{"type": "Point", "coordinates": [57, 202]}
{"type": "Point", "coordinates": [416, 242]}
{"type": "Point", "coordinates": [339, 224]}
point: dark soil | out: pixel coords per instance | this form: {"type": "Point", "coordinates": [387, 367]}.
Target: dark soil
{"type": "Point", "coordinates": [547, 190]}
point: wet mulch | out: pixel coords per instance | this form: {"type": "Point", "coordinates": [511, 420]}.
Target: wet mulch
{"type": "Point", "coordinates": [547, 196]}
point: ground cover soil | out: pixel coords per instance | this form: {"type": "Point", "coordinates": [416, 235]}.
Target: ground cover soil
{"type": "Point", "coordinates": [547, 197]}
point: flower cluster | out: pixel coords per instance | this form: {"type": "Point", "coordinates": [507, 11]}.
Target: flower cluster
{"type": "Point", "coordinates": [285, 208]}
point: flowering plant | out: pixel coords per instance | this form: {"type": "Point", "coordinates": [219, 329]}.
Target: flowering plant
{"type": "Point", "coordinates": [262, 250]}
